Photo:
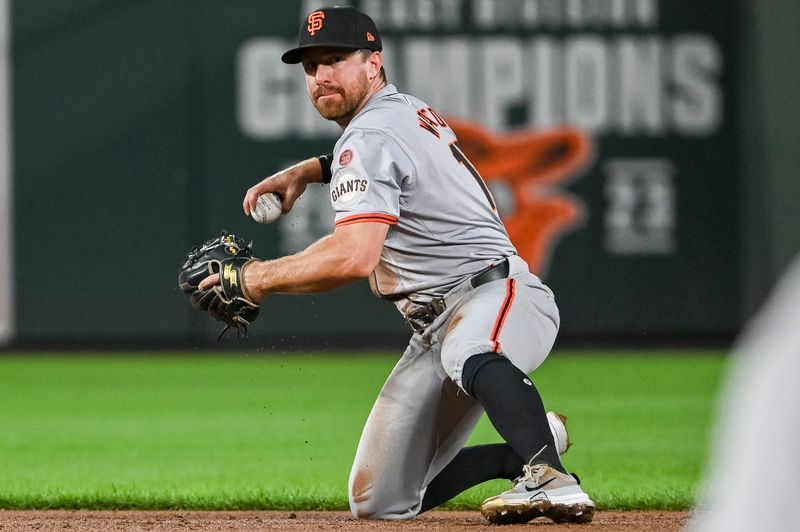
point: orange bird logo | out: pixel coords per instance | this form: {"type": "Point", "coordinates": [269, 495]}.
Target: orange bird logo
{"type": "Point", "coordinates": [534, 166]}
{"type": "Point", "coordinates": [315, 22]}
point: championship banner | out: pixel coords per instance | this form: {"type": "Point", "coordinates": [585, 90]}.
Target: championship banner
{"type": "Point", "coordinates": [604, 130]}
{"type": "Point", "coordinates": [603, 127]}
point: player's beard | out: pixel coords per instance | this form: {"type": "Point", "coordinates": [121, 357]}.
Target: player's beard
{"type": "Point", "coordinates": [345, 107]}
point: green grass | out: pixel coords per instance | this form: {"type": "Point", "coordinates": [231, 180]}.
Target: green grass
{"type": "Point", "coordinates": [239, 432]}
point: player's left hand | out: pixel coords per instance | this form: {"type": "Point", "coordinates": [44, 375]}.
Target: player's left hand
{"type": "Point", "coordinates": [209, 281]}
{"type": "Point", "coordinates": [212, 276]}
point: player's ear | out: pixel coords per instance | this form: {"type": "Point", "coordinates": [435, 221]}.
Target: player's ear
{"type": "Point", "coordinates": [375, 62]}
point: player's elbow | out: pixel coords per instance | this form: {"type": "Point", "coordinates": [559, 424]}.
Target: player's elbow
{"type": "Point", "coordinates": [359, 267]}
{"type": "Point", "coordinates": [359, 248]}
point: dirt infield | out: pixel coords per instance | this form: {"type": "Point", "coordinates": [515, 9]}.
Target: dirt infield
{"type": "Point", "coordinates": [174, 520]}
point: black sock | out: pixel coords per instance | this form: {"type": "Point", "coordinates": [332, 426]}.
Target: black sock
{"type": "Point", "coordinates": [513, 405]}
{"type": "Point", "coordinates": [470, 467]}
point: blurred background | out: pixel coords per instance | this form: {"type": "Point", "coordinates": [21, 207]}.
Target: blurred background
{"type": "Point", "coordinates": [643, 154]}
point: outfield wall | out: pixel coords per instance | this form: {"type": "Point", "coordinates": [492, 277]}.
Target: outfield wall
{"type": "Point", "coordinates": [616, 158]}
{"type": "Point", "coordinates": [6, 183]}
{"type": "Point", "coordinates": [770, 82]}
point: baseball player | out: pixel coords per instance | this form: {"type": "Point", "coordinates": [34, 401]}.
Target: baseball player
{"type": "Point", "coordinates": [759, 409]}
{"type": "Point", "coordinates": [415, 218]}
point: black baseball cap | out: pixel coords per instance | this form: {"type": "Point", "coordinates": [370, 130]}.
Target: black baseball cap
{"type": "Point", "coordinates": [336, 27]}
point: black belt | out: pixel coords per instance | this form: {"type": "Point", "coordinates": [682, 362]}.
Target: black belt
{"type": "Point", "coordinates": [423, 316]}
{"type": "Point", "coordinates": [495, 272]}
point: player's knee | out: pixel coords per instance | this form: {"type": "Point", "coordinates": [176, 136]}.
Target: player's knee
{"type": "Point", "coordinates": [471, 367]}
{"type": "Point", "coordinates": [366, 507]}
{"type": "Point", "coordinates": [367, 501]}
{"type": "Point", "coordinates": [369, 505]}
{"type": "Point", "coordinates": [362, 504]}
{"type": "Point", "coordinates": [360, 510]}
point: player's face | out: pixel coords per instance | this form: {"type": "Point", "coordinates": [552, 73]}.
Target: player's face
{"type": "Point", "coordinates": [337, 82]}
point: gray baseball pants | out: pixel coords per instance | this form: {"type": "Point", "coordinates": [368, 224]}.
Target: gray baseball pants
{"type": "Point", "coordinates": [422, 418]}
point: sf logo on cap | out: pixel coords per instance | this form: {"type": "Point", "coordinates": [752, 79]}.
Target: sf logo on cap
{"type": "Point", "coordinates": [315, 22]}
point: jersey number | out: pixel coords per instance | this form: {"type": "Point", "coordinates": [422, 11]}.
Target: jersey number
{"type": "Point", "coordinates": [461, 158]}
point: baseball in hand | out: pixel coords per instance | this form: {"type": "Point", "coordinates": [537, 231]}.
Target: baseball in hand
{"type": "Point", "coordinates": [268, 208]}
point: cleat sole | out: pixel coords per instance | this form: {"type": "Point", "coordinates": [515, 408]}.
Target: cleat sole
{"type": "Point", "coordinates": [558, 513]}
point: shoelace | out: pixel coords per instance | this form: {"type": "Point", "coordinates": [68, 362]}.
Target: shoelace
{"type": "Point", "coordinates": [530, 469]}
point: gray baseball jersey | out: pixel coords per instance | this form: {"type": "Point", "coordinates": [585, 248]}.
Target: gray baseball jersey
{"type": "Point", "coordinates": [399, 163]}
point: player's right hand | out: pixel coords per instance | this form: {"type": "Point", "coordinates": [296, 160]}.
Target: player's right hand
{"type": "Point", "coordinates": [278, 184]}
{"type": "Point", "coordinates": [289, 184]}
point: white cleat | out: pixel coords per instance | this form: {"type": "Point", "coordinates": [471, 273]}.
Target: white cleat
{"type": "Point", "coordinates": [558, 427]}
{"type": "Point", "coordinates": [540, 492]}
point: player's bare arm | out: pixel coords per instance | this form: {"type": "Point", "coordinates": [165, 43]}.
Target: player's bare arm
{"type": "Point", "coordinates": [351, 253]}
{"type": "Point", "coordinates": [289, 184]}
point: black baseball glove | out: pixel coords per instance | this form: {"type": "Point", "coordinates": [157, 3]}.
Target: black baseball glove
{"type": "Point", "coordinates": [227, 301]}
